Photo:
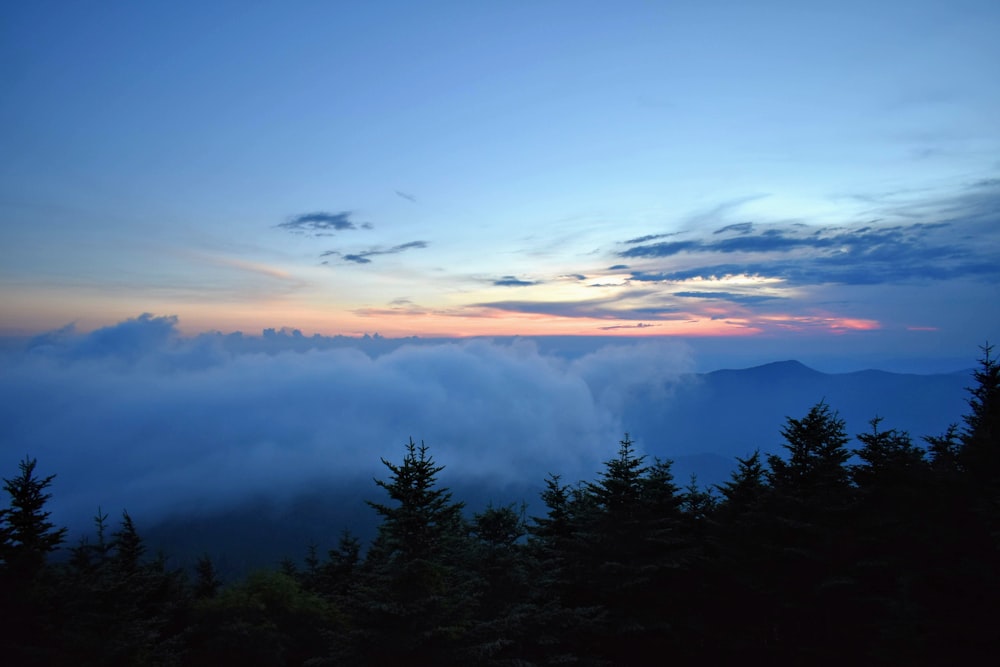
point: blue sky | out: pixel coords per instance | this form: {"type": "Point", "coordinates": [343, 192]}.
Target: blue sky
{"type": "Point", "coordinates": [802, 173]}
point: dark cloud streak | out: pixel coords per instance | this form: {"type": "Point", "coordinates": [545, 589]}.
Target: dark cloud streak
{"type": "Point", "coordinates": [322, 223]}
{"type": "Point", "coordinates": [363, 257]}
{"type": "Point", "coordinates": [513, 281]}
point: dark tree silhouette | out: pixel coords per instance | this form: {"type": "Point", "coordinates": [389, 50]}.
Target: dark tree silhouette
{"type": "Point", "coordinates": [980, 452]}
{"type": "Point", "coordinates": [415, 595]}
{"type": "Point", "coordinates": [28, 535]}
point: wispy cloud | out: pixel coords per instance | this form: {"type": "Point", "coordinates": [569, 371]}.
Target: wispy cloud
{"type": "Point", "coordinates": [640, 325]}
{"type": "Point", "coordinates": [735, 297]}
{"type": "Point", "coordinates": [321, 223]}
{"type": "Point", "coordinates": [513, 281]}
{"type": "Point", "coordinates": [649, 237]}
{"type": "Point", "coordinates": [363, 256]}
{"type": "Point", "coordinates": [406, 196]}
{"type": "Point", "coordinates": [739, 228]}
{"type": "Point", "coordinates": [862, 255]}
{"type": "Point", "coordinates": [621, 307]}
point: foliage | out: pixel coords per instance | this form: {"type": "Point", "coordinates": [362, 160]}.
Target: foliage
{"type": "Point", "coordinates": [804, 559]}
{"type": "Point", "coordinates": [28, 536]}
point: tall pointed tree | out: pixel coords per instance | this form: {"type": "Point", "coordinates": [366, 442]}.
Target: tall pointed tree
{"type": "Point", "coordinates": [745, 488]}
{"type": "Point", "coordinates": [810, 535]}
{"type": "Point", "coordinates": [423, 517]}
{"type": "Point", "coordinates": [28, 534]}
{"type": "Point", "coordinates": [413, 592]}
{"type": "Point", "coordinates": [980, 452]}
{"type": "Point", "coordinates": [816, 455]}
{"type": "Point", "coordinates": [888, 457]}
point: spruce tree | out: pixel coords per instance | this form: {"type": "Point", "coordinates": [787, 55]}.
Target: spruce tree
{"type": "Point", "coordinates": [27, 537]}
{"type": "Point", "coordinates": [28, 534]}
{"type": "Point", "coordinates": [745, 488]}
{"type": "Point", "coordinates": [980, 451]}
{"type": "Point", "coordinates": [889, 457]}
{"type": "Point", "coordinates": [816, 456]}
{"type": "Point", "coordinates": [414, 593]}
{"type": "Point", "coordinates": [811, 538]}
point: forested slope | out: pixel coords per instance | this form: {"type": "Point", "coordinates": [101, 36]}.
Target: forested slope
{"type": "Point", "coordinates": [802, 557]}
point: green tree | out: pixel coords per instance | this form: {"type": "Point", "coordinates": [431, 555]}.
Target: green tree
{"type": "Point", "coordinates": [816, 455]}
{"type": "Point", "coordinates": [498, 558]}
{"type": "Point", "coordinates": [745, 488]}
{"type": "Point", "coordinates": [27, 537]}
{"type": "Point", "coordinates": [28, 534]}
{"type": "Point", "coordinates": [423, 518]}
{"type": "Point", "coordinates": [812, 541]}
{"type": "Point", "coordinates": [980, 452]}
{"type": "Point", "coordinates": [414, 596]}
{"type": "Point", "coordinates": [207, 582]}
{"type": "Point", "coordinates": [889, 458]}
{"type": "Point", "coordinates": [266, 620]}
{"type": "Point", "coordinates": [117, 606]}
{"type": "Point", "coordinates": [564, 618]}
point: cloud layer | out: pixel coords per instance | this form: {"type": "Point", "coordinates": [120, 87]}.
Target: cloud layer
{"type": "Point", "coordinates": [136, 416]}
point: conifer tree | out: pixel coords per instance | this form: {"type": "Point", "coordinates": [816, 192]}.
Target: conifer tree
{"type": "Point", "coordinates": [889, 457]}
{"type": "Point", "coordinates": [27, 537]}
{"type": "Point", "coordinates": [810, 535]}
{"type": "Point", "coordinates": [206, 583]}
{"type": "Point", "coordinates": [28, 534]}
{"type": "Point", "coordinates": [816, 456]}
{"type": "Point", "coordinates": [415, 594]}
{"type": "Point", "coordinates": [745, 488]}
{"type": "Point", "coordinates": [980, 451]}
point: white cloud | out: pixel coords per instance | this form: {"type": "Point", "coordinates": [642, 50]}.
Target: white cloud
{"type": "Point", "coordinates": [136, 416]}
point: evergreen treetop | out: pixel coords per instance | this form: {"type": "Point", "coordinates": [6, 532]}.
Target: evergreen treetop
{"type": "Point", "coordinates": [28, 535]}
{"type": "Point", "coordinates": [816, 454]}
{"type": "Point", "coordinates": [424, 515]}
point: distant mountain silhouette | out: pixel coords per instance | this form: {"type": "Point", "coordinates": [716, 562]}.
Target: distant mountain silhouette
{"type": "Point", "coordinates": [702, 424]}
{"type": "Point", "coordinates": [730, 413]}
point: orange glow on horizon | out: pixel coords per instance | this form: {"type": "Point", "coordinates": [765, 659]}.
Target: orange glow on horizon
{"type": "Point", "coordinates": [712, 320]}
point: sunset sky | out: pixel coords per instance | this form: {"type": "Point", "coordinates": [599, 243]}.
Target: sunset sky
{"type": "Point", "coordinates": [786, 170]}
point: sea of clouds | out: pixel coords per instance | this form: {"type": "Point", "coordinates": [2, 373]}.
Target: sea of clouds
{"type": "Point", "coordinates": [138, 416]}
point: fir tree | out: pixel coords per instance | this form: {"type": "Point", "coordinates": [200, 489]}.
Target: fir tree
{"type": "Point", "coordinates": [424, 517]}
{"type": "Point", "coordinates": [28, 535]}
{"type": "Point", "coordinates": [207, 582]}
{"type": "Point", "coordinates": [816, 455]}
{"type": "Point", "coordinates": [745, 488]}
{"type": "Point", "coordinates": [889, 457]}
{"type": "Point", "coordinates": [980, 452]}
{"type": "Point", "coordinates": [414, 592]}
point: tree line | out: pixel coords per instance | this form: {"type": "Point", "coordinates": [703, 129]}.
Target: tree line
{"type": "Point", "coordinates": [886, 554]}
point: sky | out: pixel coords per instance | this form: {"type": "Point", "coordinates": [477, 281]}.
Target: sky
{"type": "Point", "coordinates": [810, 175]}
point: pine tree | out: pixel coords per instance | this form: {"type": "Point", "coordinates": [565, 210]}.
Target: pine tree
{"type": "Point", "coordinates": [889, 457]}
{"type": "Point", "coordinates": [980, 452]}
{"type": "Point", "coordinates": [128, 547]}
{"type": "Point", "coordinates": [424, 517]}
{"type": "Point", "coordinates": [414, 593]}
{"type": "Point", "coordinates": [206, 583]}
{"type": "Point", "coordinates": [28, 534]}
{"type": "Point", "coordinates": [745, 488]}
{"type": "Point", "coordinates": [816, 456]}
{"type": "Point", "coordinates": [27, 537]}
{"type": "Point", "coordinates": [620, 488]}
{"type": "Point", "coordinates": [811, 537]}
